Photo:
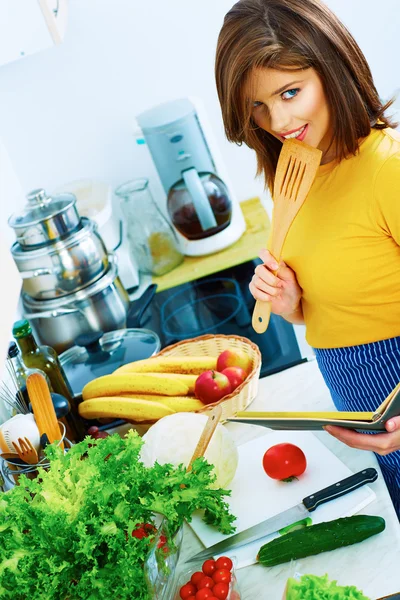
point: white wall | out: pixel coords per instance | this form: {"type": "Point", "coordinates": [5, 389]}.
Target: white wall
{"type": "Point", "coordinates": [67, 112]}
{"type": "Point", "coordinates": [11, 194]}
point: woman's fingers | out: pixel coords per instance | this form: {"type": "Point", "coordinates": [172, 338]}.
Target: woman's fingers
{"type": "Point", "coordinates": [268, 259]}
{"type": "Point", "coordinates": [265, 280]}
{"type": "Point", "coordinates": [393, 424]}
{"type": "Point", "coordinates": [381, 443]}
{"type": "Point", "coordinates": [258, 294]}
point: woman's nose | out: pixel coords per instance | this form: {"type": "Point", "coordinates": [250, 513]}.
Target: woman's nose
{"type": "Point", "coordinates": [279, 120]}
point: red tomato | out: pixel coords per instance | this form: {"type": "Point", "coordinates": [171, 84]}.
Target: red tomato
{"type": "Point", "coordinates": [209, 567]}
{"type": "Point", "coordinates": [205, 582]}
{"type": "Point", "coordinates": [222, 576]}
{"type": "Point", "coordinates": [221, 590]}
{"type": "Point", "coordinates": [162, 541]}
{"type": "Point", "coordinates": [144, 530]}
{"type": "Point", "coordinates": [212, 598]}
{"type": "Point", "coordinates": [284, 461]}
{"type": "Point", "coordinates": [204, 594]}
{"type": "Point", "coordinates": [224, 562]}
{"type": "Point", "coordinates": [195, 578]}
{"type": "Point", "coordinates": [187, 591]}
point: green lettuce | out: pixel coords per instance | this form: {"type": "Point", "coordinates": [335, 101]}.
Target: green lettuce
{"type": "Point", "coordinates": [311, 587]}
{"type": "Point", "coordinates": [67, 535]}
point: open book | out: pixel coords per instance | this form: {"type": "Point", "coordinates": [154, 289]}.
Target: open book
{"type": "Point", "coordinates": [364, 421]}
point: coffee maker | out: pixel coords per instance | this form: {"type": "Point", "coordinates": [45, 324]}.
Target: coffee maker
{"type": "Point", "coordinates": [202, 209]}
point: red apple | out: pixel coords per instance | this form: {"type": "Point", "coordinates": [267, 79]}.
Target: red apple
{"type": "Point", "coordinates": [234, 358]}
{"type": "Point", "coordinates": [211, 386]}
{"type": "Point", "coordinates": [236, 376]}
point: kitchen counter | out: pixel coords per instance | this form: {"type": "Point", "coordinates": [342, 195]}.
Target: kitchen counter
{"type": "Point", "coordinates": [246, 248]}
{"type": "Point", "coordinates": [372, 565]}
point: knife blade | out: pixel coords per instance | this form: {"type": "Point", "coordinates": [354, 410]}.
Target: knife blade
{"type": "Point", "coordinates": [289, 516]}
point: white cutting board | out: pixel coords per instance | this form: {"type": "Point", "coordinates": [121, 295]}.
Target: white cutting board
{"type": "Point", "coordinates": [256, 497]}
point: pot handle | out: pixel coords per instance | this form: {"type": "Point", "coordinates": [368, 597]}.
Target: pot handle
{"type": "Point", "coordinates": [51, 313]}
{"type": "Point", "coordinates": [35, 273]}
{"type": "Point", "coordinates": [139, 306]}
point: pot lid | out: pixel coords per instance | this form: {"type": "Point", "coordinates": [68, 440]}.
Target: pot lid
{"type": "Point", "coordinates": [40, 207]}
{"type": "Point", "coordinates": [97, 354]}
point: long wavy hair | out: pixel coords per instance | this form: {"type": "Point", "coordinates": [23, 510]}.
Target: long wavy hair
{"type": "Point", "coordinates": [294, 34]}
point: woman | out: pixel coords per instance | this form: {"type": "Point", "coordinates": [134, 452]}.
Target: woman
{"type": "Point", "coordinates": [289, 68]}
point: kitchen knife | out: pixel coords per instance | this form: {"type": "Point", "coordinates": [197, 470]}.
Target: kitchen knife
{"type": "Point", "coordinates": [289, 516]}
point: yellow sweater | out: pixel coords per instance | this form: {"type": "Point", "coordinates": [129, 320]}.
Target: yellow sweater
{"type": "Point", "coordinates": [344, 247]}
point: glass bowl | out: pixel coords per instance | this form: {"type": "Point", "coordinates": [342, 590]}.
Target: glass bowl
{"type": "Point", "coordinates": [161, 561]}
{"type": "Point", "coordinates": [185, 572]}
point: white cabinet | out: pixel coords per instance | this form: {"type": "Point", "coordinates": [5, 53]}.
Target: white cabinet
{"type": "Point", "coordinates": [28, 26]}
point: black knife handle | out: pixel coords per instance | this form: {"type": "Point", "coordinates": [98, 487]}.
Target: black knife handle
{"type": "Point", "coordinates": [340, 488]}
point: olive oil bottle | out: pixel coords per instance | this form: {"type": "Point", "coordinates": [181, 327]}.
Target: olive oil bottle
{"type": "Point", "coordinates": [46, 359]}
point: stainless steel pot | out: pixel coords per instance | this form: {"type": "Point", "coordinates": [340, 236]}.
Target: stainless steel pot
{"type": "Point", "coordinates": [63, 267]}
{"type": "Point", "coordinates": [101, 306]}
{"type": "Point", "coordinates": [45, 219]}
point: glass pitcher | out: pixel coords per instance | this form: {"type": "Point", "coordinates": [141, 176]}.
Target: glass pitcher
{"type": "Point", "coordinates": [151, 237]}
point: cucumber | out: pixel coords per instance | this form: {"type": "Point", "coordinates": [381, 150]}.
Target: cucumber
{"type": "Point", "coordinates": [320, 538]}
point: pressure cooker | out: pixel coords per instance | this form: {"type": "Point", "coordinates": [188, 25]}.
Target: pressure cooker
{"type": "Point", "coordinates": [100, 306]}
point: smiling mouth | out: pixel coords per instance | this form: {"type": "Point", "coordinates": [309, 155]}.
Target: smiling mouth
{"type": "Point", "coordinates": [294, 134]}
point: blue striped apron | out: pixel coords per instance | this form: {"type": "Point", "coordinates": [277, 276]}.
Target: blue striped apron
{"type": "Point", "coordinates": [359, 378]}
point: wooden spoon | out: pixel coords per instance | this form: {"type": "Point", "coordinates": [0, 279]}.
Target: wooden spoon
{"type": "Point", "coordinates": [205, 438]}
{"type": "Point", "coordinates": [295, 172]}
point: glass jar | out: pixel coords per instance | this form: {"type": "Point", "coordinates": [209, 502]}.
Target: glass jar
{"type": "Point", "coordinates": [151, 237]}
{"type": "Point", "coordinates": [161, 561]}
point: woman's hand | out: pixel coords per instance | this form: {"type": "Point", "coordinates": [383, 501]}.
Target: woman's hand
{"type": "Point", "coordinates": [281, 290]}
{"type": "Point", "coordinates": [381, 443]}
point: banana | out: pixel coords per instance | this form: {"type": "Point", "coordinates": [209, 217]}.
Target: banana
{"type": "Point", "coordinates": [136, 383]}
{"type": "Point", "coordinates": [171, 364]}
{"type": "Point", "coordinates": [123, 408]}
{"type": "Point", "coordinates": [176, 403]}
{"type": "Point", "coordinates": [189, 380]}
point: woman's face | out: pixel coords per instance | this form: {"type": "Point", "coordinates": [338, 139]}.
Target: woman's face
{"type": "Point", "coordinates": [291, 104]}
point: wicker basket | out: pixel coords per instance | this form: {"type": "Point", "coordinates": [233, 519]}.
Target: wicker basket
{"type": "Point", "coordinates": [212, 345]}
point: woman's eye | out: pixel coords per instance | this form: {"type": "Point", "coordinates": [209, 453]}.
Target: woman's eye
{"type": "Point", "coordinates": [290, 94]}
{"type": "Point", "coordinates": [256, 104]}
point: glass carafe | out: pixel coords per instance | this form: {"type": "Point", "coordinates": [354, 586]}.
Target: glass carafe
{"type": "Point", "coordinates": [152, 239]}
{"type": "Point", "coordinates": [182, 203]}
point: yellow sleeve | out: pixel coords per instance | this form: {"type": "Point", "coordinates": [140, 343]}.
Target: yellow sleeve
{"type": "Point", "coordinates": [387, 197]}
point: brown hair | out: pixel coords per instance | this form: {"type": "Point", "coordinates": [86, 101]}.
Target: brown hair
{"type": "Point", "coordinates": [295, 34]}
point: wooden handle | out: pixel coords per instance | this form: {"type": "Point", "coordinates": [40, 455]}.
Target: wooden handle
{"type": "Point", "coordinates": [261, 316]}
{"type": "Point", "coordinates": [209, 428]}
{"type": "Point", "coordinates": [43, 408]}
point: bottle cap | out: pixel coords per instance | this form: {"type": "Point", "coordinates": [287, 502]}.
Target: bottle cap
{"type": "Point", "coordinates": [21, 329]}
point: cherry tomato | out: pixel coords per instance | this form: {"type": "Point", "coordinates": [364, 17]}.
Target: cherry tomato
{"type": "Point", "coordinates": [209, 567]}
{"type": "Point", "coordinates": [162, 541]}
{"type": "Point", "coordinates": [139, 533]}
{"type": "Point", "coordinates": [212, 598]}
{"type": "Point", "coordinates": [204, 594]}
{"type": "Point", "coordinates": [284, 461]}
{"type": "Point", "coordinates": [221, 590]}
{"type": "Point", "coordinates": [205, 582]}
{"type": "Point", "coordinates": [187, 591]}
{"type": "Point", "coordinates": [224, 562]}
{"type": "Point", "coordinates": [195, 578]}
{"type": "Point", "coordinates": [144, 530]}
{"type": "Point", "coordinates": [222, 576]}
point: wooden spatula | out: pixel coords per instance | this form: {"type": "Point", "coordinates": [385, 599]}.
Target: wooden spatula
{"type": "Point", "coordinates": [42, 406]}
{"type": "Point", "coordinates": [206, 435]}
{"type": "Point", "coordinates": [295, 172]}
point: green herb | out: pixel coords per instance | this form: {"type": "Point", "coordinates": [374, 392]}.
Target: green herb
{"type": "Point", "coordinates": [68, 533]}
{"type": "Point", "coordinates": [311, 587]}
